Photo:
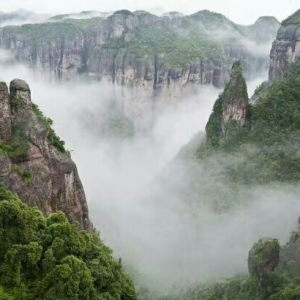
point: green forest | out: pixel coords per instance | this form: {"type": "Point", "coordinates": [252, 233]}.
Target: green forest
{"type": "Point", "coordinates": [49, 258]}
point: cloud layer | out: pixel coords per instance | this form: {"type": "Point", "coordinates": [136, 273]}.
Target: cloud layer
{"type": "Point", "coordinates": [243, 12]}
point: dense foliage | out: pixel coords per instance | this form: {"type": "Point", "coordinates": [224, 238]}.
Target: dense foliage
{"type": "Point", "coordinates": [294, 19]}
{"type": "Point", "coordinates": [43, 33]}
{"type": "Point", "coordinates": [178, 47]}
{"type": "Point", "coordinates": [49, 258]}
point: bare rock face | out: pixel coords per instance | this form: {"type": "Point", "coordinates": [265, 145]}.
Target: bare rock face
{"type": "Point", "coordinates": [286, 48]}
{"type": "Point", "coordinates": [34, 163]}
{"type": "Point", "coordinates": [263, 257]}
{"type": "Point", "coordinates": [235, 98]}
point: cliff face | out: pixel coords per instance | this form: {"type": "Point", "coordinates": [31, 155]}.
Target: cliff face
{"type": "Point", "coordinates": [33, 161]}
{"type": "Point", "coordinates": [286, 48]}
{"type": "Point", "coordinates": [140, 49]}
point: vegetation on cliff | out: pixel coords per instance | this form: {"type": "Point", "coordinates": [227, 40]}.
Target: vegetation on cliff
{"type": "Point", "coordinates": [266, 152]}
{"type": "Point", "coordinates": [230, 111]}
{"type": "Point", "coordinates": [49, 258]}
{"type": "Point", "coordinates": [263, 151]}
{"type": "Point", "coordinates": [53, 139]}
{"type": "Point", "coordinates": [178, 47]}
{"type": "Point", "coordinates": [42, 33]}
{"type": "Point", "coordinates": [294, 19]}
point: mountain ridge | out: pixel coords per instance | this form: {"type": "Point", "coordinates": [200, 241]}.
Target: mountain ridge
{"type": "Point", "coordinates": [141, 50]}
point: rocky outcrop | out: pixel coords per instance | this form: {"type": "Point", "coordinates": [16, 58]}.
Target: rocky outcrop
{"type": "Point", "coordinates": [286, 48]}
{"type": "Point", "coordinates": [142, 50]}
{"type": "Point", "coordinates": [33, 161]}
{"type": "Point", "coordinates": [230, 111]}
{"type": "Point", "coordinates": [263, 257]}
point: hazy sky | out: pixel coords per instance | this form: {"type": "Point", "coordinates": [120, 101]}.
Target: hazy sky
{"type": "Point", "coordinates": [241, 11]}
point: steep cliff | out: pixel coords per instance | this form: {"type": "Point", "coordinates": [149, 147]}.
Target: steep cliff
{"type": "Point", "coordinates": [142, 50]}
{"type": "Point", "coordinates": [286, 48]}
{"type": "Point", "coordinates": [33, 160]}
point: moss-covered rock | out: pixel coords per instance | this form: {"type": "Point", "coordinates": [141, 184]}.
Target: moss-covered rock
{"type": "Point", "coordinates": [263, 257]}
{"type": "Point", "coordinates": [3, 86]}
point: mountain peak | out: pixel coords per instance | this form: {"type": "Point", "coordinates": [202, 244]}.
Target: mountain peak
{"type": "Point", "coordinates": [267, 19]}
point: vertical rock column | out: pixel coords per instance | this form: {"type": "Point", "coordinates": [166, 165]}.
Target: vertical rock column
{"type": "Point", "coordinates": [5, 114]}
{"type": "Point", "coordinates": [230, 111]}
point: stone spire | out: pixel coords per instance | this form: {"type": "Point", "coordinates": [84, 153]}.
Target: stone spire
{"type": "Point", "coordinates": [231, 108]}
{"type": "Point", "coordinates": [5, 114]}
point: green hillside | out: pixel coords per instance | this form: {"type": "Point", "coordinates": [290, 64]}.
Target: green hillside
{"type": "Point", "coordinates": [49, 258]}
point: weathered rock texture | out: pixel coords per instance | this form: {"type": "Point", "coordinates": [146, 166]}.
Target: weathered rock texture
{"type": "Point", "coordinates": [33, 161]}
{"type": "Point", "coordinates": [5, 120]}
{"type": "Point", "coordinates": [235, 98]}
{"type": "Point", "coordinates": [286, 48]}
{"type": "Point", "coordinates": [230, 111]}
{"type": "Point", "coordinates": [143, 50]}
{"type": "Point", "coordinates": [263, 257]}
